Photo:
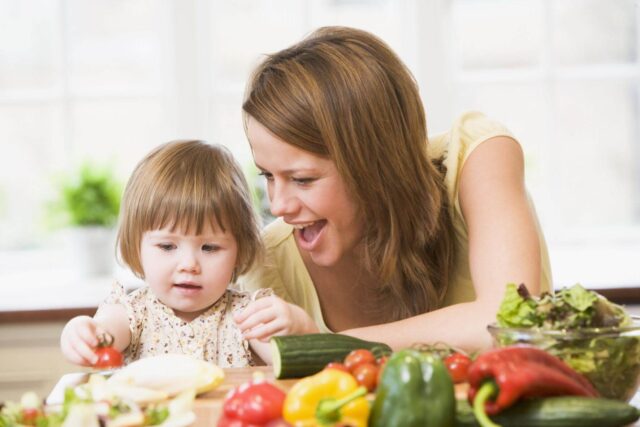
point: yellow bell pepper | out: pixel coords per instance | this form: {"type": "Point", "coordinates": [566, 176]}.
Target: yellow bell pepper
{"type": "Point", "coordinates": [327, 398]}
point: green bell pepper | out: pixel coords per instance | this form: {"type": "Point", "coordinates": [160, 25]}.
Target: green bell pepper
{"type": "Point", "coordinates": [415, 390]}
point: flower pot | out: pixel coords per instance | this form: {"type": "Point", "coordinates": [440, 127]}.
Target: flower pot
{"type": "Point", "coordinates": [93, 250]}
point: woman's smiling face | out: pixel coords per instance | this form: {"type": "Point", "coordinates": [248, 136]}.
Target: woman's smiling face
{"type": "Point", "coordinates": [307, 191]}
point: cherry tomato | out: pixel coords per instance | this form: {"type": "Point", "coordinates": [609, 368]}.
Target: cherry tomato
{"type": "Point", "coordinates": [382, 360]}
{"type": "Point", "coordinates": [358, 357]}
{"type": "Point", "coordinates": [30, 416]}
{"type": "Point", "coordinates": [337, 365]}
{"type": "Point", "coordinates": [108, 357]}
{"type": "Point", "coordinates": [458, 366]}
{"type": "Point", "coordinates": [366, 374]}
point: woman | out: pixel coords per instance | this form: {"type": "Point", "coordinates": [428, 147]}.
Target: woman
{"type": "Point", "coordinates": [383, 234]}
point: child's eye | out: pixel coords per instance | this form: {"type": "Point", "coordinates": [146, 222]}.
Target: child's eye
{"type": "Point", "coordinates": [166, 246]}
{"type": "Point", "coordinates": [210, 248]}
{"type": "Point", "coordinates": [267, 175]}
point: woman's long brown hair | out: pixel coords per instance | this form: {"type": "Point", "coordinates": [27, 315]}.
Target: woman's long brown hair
{"type": "Point", "coordinates": [344, 94]}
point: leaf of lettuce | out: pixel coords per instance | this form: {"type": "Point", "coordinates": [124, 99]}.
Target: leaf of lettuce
{"type": "Point", "coordinates": [578, 297]}
{"type": "Point", "coordinates": [516, 311]}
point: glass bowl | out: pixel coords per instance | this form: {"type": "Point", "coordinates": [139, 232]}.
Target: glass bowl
{"type": "Point", "coordinates": [608, 357]}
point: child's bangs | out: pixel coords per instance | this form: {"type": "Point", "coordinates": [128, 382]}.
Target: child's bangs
{"type": "Point", "coordinates": [186, 213]}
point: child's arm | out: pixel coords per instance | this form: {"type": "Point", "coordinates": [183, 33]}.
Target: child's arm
{"type": "Point", "coordinates": [273, 316]}
{"type": "Point", "coordinates": [262, 349]}
{"type": "Point", "coordinates": [79, 337]}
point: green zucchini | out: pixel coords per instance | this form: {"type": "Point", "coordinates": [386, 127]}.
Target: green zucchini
{"type": "Point", "coordinates": [297, 356]}
{"type": "Point", "coordinates": [561, 411]}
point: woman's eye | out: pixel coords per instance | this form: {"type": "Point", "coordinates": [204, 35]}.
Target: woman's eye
{"type": "Point", "coordinates": [268, 176]}
{"type": "Point", "coordinates": [303, 181]}
{"type": "Point", "coordinates": [166, 246]}
{"type": "Point", "coordinates": [210, 248]}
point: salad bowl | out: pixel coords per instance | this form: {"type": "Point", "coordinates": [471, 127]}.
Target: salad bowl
{"type": "Point", "coordinates": [608, 356]}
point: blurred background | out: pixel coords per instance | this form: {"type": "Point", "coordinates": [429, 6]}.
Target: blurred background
{"type": "Point", "coordinates": [102, 82]}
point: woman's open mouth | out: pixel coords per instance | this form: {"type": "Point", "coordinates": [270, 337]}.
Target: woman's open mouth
{"type": "Point", "coordinates": [308, 234]}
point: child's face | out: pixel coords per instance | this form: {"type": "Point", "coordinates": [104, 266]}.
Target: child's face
{"type": "Point", "coordinates": [188, 273]}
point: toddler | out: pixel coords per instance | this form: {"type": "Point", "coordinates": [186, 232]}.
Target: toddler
{"type": "Point", "coordinates": [187, 228]}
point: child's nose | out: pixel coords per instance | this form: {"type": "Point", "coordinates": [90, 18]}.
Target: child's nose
{"type": "Point", "coordinates": [189, 263]}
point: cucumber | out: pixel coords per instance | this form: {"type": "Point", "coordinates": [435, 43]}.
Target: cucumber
{"type": "Point", "coordinates": [297, 356]}
{"type": "Point", "coordinates": [561, 411]}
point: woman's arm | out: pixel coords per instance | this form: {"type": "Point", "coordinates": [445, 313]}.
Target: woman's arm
{"type": "Point", "coordinates": [503, 247]}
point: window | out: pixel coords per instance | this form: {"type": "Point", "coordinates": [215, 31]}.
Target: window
{"type": "Point", "coordinates": [109, 80]}
{"type": "Point", "coordinates": [566, 83]}
{"type": "Point", "coordinates": [77, 80]}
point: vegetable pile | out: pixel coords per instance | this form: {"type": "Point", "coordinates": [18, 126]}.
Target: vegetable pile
{"type": "Point", "coordinates": [519, 385]}
{"type": "Point", "coordinates": [594, 336]}
{"type": "Point", "coordinates": [136, 395]}
{"type": "Point", "coordinates": [95, 404]}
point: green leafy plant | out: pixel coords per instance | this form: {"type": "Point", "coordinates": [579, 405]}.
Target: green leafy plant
{"type": "Point", "coordinates": [88, 197]}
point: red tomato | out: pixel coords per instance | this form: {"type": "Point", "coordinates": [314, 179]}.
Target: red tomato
{"type": "Point", "coordinates": [458, 366]}
{"type": "Point", "coordinates": [358, 357]}
{"type": "Point", "coordinates": [337, 365]}
{"type": "Point", "coordinates": [108, 357]}
{"type": "Point", "coordinates": [366, 374]}
{"type": "Point", "coordinates": [29, 416]}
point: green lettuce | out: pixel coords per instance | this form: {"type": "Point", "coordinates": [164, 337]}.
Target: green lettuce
{"type": "Point", "coordinates": [517, 311]}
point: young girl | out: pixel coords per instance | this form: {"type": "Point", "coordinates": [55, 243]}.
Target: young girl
{"type": "Point", "coordinates": [188, 229]}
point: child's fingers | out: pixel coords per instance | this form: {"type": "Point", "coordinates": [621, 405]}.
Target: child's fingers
{"type": "Point", "coordinates": [251, 309]}
{"type": "Point", "coordinates": [86, 352]}
{"type": "Point", "coordinates": [79, 353]}
{"type": "Point", "coordinates": [264, 331]}
{"type": "Point", "coordinates": [263, 316]}
{"type": "Point", "coordinates": [89, 336]}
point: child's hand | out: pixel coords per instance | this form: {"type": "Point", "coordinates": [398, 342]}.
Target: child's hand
{"type": "Point", "coordinates": [273, 316]}
{"type": "Point", "coordinates": [79, 339]}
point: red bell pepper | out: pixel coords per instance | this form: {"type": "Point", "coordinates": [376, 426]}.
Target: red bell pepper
{"type": "Point", "coordinates": [522, 371]}
{"type": "Point", "coordinates": [257, 403]}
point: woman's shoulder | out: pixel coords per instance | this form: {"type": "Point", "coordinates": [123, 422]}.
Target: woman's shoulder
{"type": "Point", "coordinates": [474, 127]}
{"type": "Point", "coordinates": [467, 131]}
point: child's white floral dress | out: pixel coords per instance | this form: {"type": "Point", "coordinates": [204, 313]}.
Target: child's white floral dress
{"type": "Point", "coordinates": [213, 336]}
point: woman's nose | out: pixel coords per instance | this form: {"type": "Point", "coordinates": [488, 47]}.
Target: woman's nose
{"type": "Point", "coordinates": [281, 202]}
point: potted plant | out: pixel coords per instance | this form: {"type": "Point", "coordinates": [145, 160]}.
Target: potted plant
{"type": "Point", "coordinates": [88, 202]}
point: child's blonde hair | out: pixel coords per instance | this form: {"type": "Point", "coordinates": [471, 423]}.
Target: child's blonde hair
{"type": "Point", "coordinates": [183, 184]}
